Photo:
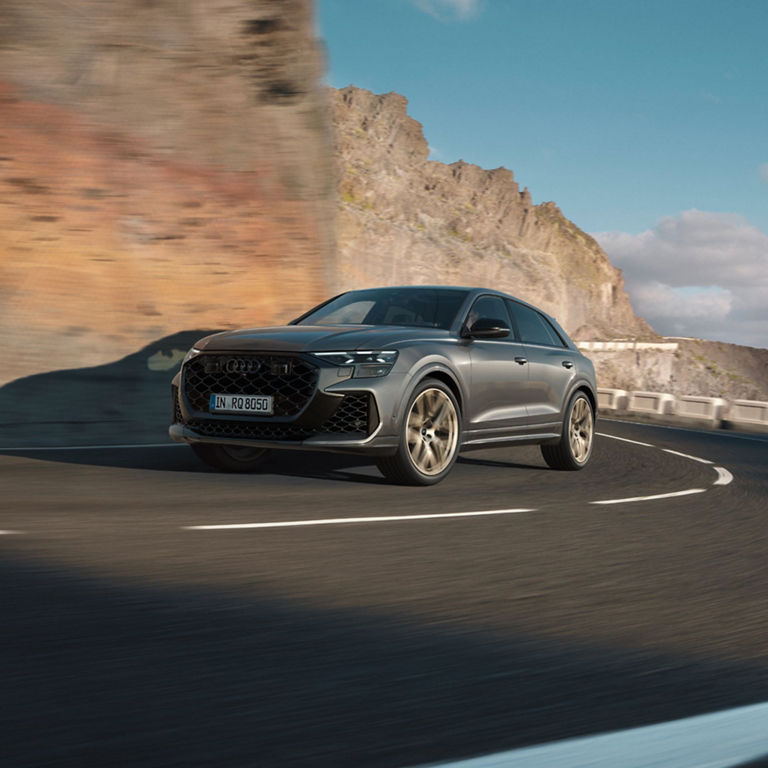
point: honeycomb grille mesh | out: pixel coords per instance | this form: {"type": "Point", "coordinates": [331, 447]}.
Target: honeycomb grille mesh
{"type": "Point", "coordinates": [351, 416]}
{"type": "Point", "coordinates": [248, 430]}
{"type": "Point", "coordinates": [290, 381]}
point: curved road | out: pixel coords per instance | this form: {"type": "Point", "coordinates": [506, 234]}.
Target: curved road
{"type": "Point", "coordinates": [137, 632]}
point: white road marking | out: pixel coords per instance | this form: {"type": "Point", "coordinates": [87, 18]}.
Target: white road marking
{"type": "Point", "coordinates": [625, 440]}
{"type": "Point", "coordinates": [10, 533]}
{"type": "Point", "coordinates": [90, 447]}
{"type": "Point", "coordinates": [687, 456]}
{"type": "Point", "coordinates": [717, 433]}
{"type": "Point", "coordinates": [719, 740]}
{"type": "Point", "coordinates": [724, 477]}
{"type": "Point", "coordinates": [652, 498]}
{"type": "Point", "coordinates": [347, 520]}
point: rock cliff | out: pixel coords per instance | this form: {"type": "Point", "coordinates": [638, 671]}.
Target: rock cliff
{"type": "Point", "coordinates": [406, 219]}
{"type": "Point", "coordinates": [163, 166]}
{"type": "Point", "coordinates": [696, 367]}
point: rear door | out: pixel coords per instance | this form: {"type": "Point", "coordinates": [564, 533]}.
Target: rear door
{"type": "Point", "coordinates": [551, 364]}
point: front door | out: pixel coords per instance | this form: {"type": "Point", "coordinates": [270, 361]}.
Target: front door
{"type": "Point", "coordinates": [499, 380]}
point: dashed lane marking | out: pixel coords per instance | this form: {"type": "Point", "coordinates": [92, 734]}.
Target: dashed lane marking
{"type": "Point", "coordinates": [653, 497]}
{"type": "Point", "coordinates": [10, 533]}
{"type": "Point", "coordinates": [756, 438]}
{"type": "Point", "coordinates": [687, 456]}
{"type": "Point", "coordinates": [348, 520]}
{"type": "Point", "coordinates": [724, 477]}
{"type": "Point", "coordinates": [625, 440]}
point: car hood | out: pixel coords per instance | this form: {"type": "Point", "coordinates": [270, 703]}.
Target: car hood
{"type": "Point", "coordinates": [316, 338]}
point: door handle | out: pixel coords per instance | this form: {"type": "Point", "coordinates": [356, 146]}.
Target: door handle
{"type": "Point", "coordinates": [521, 360]}
{"type": "Point", "coordinates": [567, 364]}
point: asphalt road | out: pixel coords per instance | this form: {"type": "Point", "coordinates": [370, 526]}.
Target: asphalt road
{"type": "Point", "coordinates": [130, 638]}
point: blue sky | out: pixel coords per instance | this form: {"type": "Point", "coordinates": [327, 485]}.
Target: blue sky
{"type": "Point", "coordinates": [646, 122]}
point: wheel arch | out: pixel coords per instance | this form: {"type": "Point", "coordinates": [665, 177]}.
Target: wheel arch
{"type": "Point", "coordinates": [590, 396]}
{"type": "Point", "coordinates": [581, 386]}
{"type": "Point", "coordinates": [432, 370]}
{"type": "Point", "coordinates": [449, 381]}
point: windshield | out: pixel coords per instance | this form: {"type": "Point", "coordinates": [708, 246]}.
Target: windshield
{"type": "Point", "coordinates": [421, 307]}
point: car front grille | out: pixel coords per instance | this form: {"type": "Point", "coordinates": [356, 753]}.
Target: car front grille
{"type": "Point", "coordinates": [352, 418]}
{"type": "Point", "coordinates": [291, 381]}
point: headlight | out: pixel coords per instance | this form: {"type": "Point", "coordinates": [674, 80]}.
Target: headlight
{"type": "Point", "coordinates": [194, 352]}
{"type": "Point", "coordinates": [367, 364]}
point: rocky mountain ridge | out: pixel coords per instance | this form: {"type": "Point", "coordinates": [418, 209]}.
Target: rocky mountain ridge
{"type": "Point", "coordinates": [406, 219]}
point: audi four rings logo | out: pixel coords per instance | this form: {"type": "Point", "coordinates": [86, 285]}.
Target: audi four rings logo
{"type": "Point", "coordinates": [240, 365]}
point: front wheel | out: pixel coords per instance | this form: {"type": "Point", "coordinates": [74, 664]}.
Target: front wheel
{"type": "Point", "coordinates": [429, 439]}
{"type": "Point", "coordinates": [574, 448]}
{"type": "Point", "coordinates": [230, 458]}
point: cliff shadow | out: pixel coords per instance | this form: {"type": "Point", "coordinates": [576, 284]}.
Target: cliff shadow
{"type": "Point", "coordinates": [115, 672]}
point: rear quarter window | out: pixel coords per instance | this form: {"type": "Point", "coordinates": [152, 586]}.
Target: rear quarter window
{"type": "Point", "coordinates": [534, 327]}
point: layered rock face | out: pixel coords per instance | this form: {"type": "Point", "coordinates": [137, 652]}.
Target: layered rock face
{"type": "Point", "coordinates": [163, 165]}
{"type": "Point", "coordinates": [696, 367]}
{"type": "Point", "coordinates": [404, 219]}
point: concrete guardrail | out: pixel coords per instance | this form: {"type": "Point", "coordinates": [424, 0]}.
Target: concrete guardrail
{"type": "Point", "coordinates": [693, 410]}
{"type": "Point", "coordinates": [612, 399]}
{"type": "Point", "coordinates": [709, 409]}
{"type": "Point", "coordinates": [658, 403]}
{"type": "Point", "coordinates": [745, 413]}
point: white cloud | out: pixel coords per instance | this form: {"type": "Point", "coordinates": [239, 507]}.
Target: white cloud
{"type": "Point", "coordinates": [447, 10]}
{"type": "Point", "coordinates": [697, 274]}
{"type": "Point", "coordinates": [763, 171]}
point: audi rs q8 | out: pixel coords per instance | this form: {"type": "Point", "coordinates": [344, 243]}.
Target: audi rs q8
{"type": "Point", "coordinates": [410, 376]}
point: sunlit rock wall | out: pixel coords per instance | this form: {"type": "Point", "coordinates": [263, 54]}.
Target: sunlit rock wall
{"type": "Point", "coordinates": [406, 219]}
{"type": "Point", "coordinates": [164, 164]}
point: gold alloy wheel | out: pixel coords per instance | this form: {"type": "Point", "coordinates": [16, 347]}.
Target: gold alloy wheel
{"type": "Point", "coordinates": [580, 430]}
{"type": "Point", "coordinates": [433, 431]}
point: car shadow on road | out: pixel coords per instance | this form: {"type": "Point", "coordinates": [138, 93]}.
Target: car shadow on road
{"type": "Point", "coordinates": [285, 463]}
{"type": "Point", "coordinates": [126, 401]}
{"type": "Point", "coordinates": [180, 458]}
{"type": "Point", "coordinates": [484, 462]}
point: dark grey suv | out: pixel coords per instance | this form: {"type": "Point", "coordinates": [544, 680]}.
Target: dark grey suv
{"type": "Point", "coordinates": [410, 376]}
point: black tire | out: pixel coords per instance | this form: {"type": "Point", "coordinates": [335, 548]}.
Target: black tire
{"type": "Point", "coordinates": [430, 437]}
{"type": "Point", "coordinates": [230, 458]}
{"type": "Point", "coordinates": [574, 448]}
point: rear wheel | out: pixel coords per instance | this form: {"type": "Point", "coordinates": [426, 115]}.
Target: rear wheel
{"type": "Point", "coordinates": [430, 437]}
{"type": "Point", "coordinates": [574, 448]}
{"type": "Point", "coordinates": [230, 458]}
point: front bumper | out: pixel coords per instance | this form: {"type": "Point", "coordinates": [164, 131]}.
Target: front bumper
{"type": "Point", "coordinates": [345, 416]}
{"type": "Point", "coordinates": [375, 445]}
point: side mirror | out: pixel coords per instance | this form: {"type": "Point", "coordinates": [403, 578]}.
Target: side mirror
{"type": "Point", "coordinates": [489, 328]}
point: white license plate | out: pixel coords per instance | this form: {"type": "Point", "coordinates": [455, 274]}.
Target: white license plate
{"type": "Point", "coordinates": [259, 404]}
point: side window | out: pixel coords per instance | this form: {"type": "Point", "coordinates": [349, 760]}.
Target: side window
{"type": "Point", "coordinates": [491, 307]}
{"type": "Point", "coordinates": [534, 329]}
